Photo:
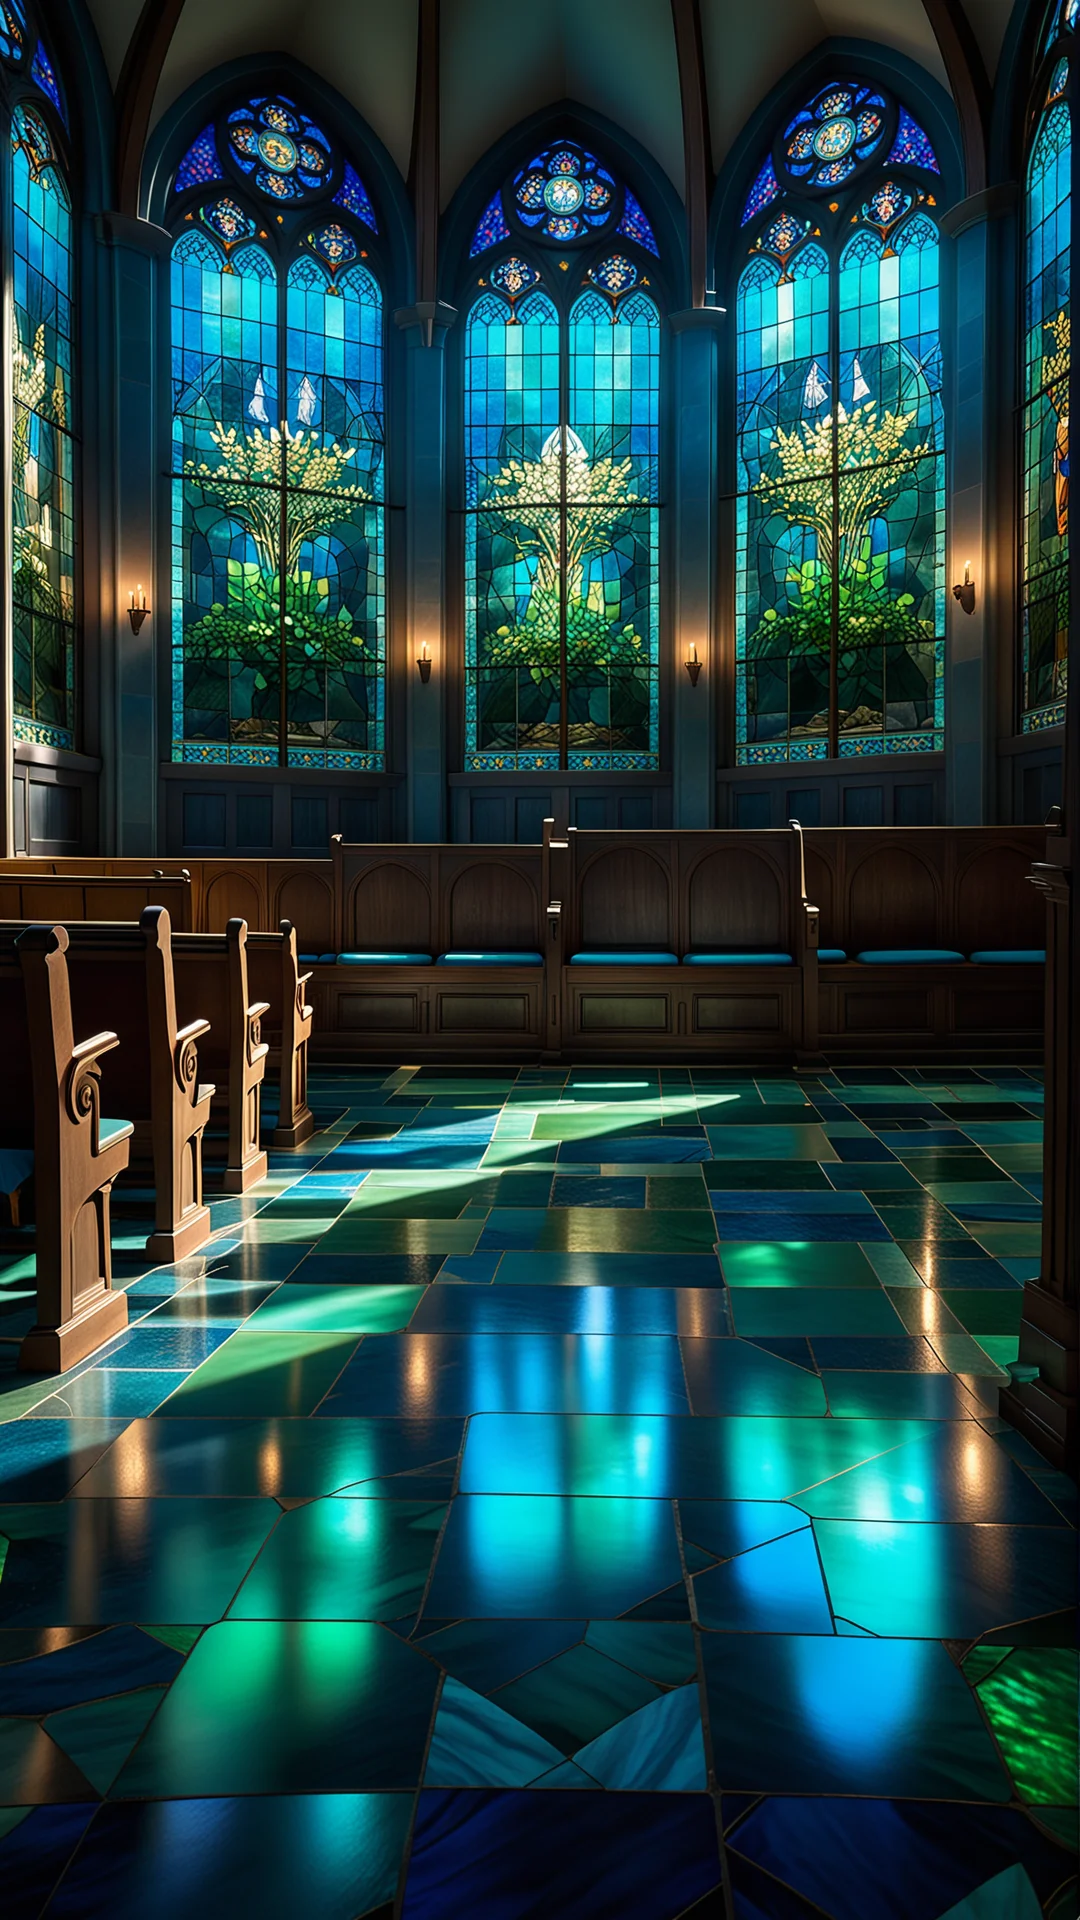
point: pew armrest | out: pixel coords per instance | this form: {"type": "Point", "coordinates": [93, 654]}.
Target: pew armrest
{"type": "Point", "coordinates": [186, 1060]}
{"type": "Point", "coordinates": [257, 1047]}
{"type": "Point", "coordinates": [83, 1085]}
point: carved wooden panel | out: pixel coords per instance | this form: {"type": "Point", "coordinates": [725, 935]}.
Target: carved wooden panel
{"type": "Point", "coordinates": [736, 901]}
{"type": "Point", "coordinates": [232, 896]}
{"type": "Point", "coordinates": [625, 901]}
{"type": "Point", "coordinates": [493, 905]}
{"type": "Point", "coordinates": [309, 903]}
{"type": "Point", "coordinates": [390, 911]}
{"type": "Point", "coordinates": [893, 901]}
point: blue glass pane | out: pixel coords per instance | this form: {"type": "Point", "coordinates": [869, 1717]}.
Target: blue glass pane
{"type": "Point", "coordinates": [762, 193]}
{"type": "Point", "coordinates": [635, 223]}
{"type": "Point", "coordinates": [1046, 424]}
{"type": "Point", "coordinates": [911, 148]}
{"type": "Point", "coordinates": [352, 195]}
{"type": "Point", "coordinates": [12, 31]}
{"type": "Point", "coordinates": [43, 514]}
{"type": "Point", "coordinates": [42, 72]}
{"type": "Point", "coordinates": [490, 228]}
{"type": "Point", "coordinates": [200, 163]}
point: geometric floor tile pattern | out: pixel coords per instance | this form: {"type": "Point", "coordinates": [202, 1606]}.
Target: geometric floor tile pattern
{"type": "Point", "coordinates": [570, 1493]}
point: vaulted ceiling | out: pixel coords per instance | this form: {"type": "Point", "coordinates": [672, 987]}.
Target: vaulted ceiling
{"type": "Point", "coordinates": [503, 59]}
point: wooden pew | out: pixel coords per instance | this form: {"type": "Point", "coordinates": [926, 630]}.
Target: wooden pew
{"type": "Point", "coordinates": [440, 946]}
{"type": "Point", "coordinates": [922, 901]}
{"type": "Point", "coordinates": [122, 977]}
{"type": "Point", "coordinates": [211, 979]}
{"type": "Point", "coordinates": [92, 896]}
{"type": "Point", "coordinates": [54, 1106]}
{"type": "Point", "coordinates": [680, 943]}
{"type": "Point", "coordinates": [274, 978]}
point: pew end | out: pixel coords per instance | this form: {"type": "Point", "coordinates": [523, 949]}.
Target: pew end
{"type": "Point", "coordinates": [77, 1158]}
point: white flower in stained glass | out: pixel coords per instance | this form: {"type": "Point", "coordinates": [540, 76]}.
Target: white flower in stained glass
{"type": "Point", "coordinates": [513, 275]}
{"type": "Point", "coordinates": [614, 275]}
{"type": "Point", "coordinates": [333, 244]}
{"type": "Point", "coordinates": [833, 103]}
{"type": "Point", "coordinates": [278, 117]}
{"type": "Point", "coordinates": [228, 221]}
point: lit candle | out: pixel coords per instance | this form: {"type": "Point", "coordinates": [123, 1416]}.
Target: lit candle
{"type": "Point", "coordinates": [967, 573]}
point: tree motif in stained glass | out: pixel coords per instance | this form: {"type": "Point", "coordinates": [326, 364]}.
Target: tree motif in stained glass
{"type": "Point", "coordinates": [1046, 423]}
{"type": "Point", "coordinates": [279, 576]}
{"type": "Point", "coordinates": [43, 543]}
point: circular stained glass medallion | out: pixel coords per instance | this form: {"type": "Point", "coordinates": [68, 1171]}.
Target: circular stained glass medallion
{"type": "Point", "coordinates": [563, 194]}
{"type": "Point", "coordinates": [277, 151]}
{"type": "Point", "coordinates": [834, 139]}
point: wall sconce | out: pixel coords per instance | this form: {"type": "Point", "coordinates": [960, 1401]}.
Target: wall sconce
{"type": "Point", "coordinates": [965, 591]}
{"type": "Point", "coordinates": [137, 609]}
{"type": "Point", "coordinates": [423, 664]}
{"type": "Point", "coordinates": [692, 664]}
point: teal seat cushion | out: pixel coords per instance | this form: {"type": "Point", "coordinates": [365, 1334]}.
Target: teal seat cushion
{"type": "Point", "coordinates": [491, 957]}
{"type": "Point", "coordinates": [317, 959]}
{"type": "Point", "coordinates": [384, 959]}
{"type": "Point", "coordinates": [1010, 957]}
{"type": "Point", "coordinates": [909, 956]}
{"type": "Point", "coordinates": [111, 1130]}
{"type": "Point", "coordinates": [831, 956]}
{"type": "Point", "coordinates": [737, 959]}
{"type": "Point", "coordinates": [611, 957]}
{"type": "Point", "coordinates": [16, 1165]}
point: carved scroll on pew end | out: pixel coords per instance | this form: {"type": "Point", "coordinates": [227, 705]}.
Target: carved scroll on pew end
{"type": "Point", "coordinates": [77, 1156]}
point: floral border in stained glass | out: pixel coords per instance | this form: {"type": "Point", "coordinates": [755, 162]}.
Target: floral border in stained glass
{"type": "Point", "coordinates": [37, 733]}
{"type": "Point", "coordinates": [1045, 717]}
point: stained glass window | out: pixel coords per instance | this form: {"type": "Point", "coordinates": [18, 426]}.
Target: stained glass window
{"type": "Point", "coordinates": [1045, 480]}
{"type": "Point", "coordinates": [840, 518]}
{"type": "Point", "coordinates": [43, 518]}
{"type": "Point", "coordinates": [562, 405]}
{"type": "Point", "coordinates": [279, 592]}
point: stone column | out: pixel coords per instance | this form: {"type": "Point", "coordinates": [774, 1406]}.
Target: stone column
{"type": "Point", "coordinates": [975, 344]}
{"type": "Point", "coordinates": [425, 326]}
{"type": "Point", "coordinates": [127, 476]}
{"type": "Point", "coordinates": [692, 552]}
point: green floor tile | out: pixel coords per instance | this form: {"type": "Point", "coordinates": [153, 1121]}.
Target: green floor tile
{"type": "Point", "coordinates": [338, 1308]}
{"type": "Point", "coordinates": [760, 1312]}
{"type": "Point", "coordinates": [263, 1373]}
{"type": "Point", "coordinates": [343, 1559]}
{"type": "Point", "coordinates": [100, 1736]}
{"type": "Point", "coordinates": [357, 1235]}
{"type": "Point", "coordinates": [626, 1230]}
{"type": "Point", "coordinates": [810, 1263]}
{"type": "Point", "coordinates": [288, 1706]}
{"type": "Point", "coordinates": [1030, 1701]}
{"type": "Point", "coordinates": [1005, 1241]}
{"type": "Point", "coordinates": [771, 1143]}
{"type": "Point", "coordinates": [985, 1310]}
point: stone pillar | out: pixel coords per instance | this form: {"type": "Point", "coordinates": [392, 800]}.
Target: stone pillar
{"type": "Point", "coordinates": [973, 426]}
{"type": "Point", "coordinates": [1042, 1399]}
{"type": "Point", "coordinates": [425, 326]}
{"type": "Point", "coordinates": [133, 545]}
{"type": "Point", "coordinates": [692, 548]}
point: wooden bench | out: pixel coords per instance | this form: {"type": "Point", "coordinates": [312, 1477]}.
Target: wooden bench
{"type": "Point", "coordinates": [122, 977]}
{"type": "Point", "coordinates": [68, 897]}
{"type": "Point", "coordinates": [439, 946]}
{"type": "Point", "coordinates": [274, 978]}
{"type": "Point", "coordinates": [930, 938]}
{"type": "Point", "coordinates": [679, 943]}
{"type": "Point", "coordinates": [54, 1112]}
{"type": "Point", "coordinates": [211, 983]}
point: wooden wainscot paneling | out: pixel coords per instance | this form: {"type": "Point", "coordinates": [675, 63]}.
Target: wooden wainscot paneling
{"type": "Point", "coordinates": [489, 1014]}
{"type": "Point", "coordinates": [389, 908]}
{"type": "Point", "coordinates": [306, 900]}
{"type": "Point", "coordinates": [738, 898]}
{"type": "Point", "coordinates": [737, 1013]}
{"type": "Point", "coordinates": [622, 1012]}
{"type": "Point", "coordinates": [624, 897]}
{"type": "Point", "coordinates": [378, 1013]}
{"type": "Point", "coordinates": [234, 894]}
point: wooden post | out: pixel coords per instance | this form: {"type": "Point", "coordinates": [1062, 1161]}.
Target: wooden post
{"type": "Point", "coordinates": [74, 1169]}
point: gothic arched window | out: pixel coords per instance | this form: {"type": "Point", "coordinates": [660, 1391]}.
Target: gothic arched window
{"type": "Point", "coordinates": [562, 391]}
{"type": "Point", "coordinates": [279, 588]}
{"type": "Point", "coordinates": [39, 271]}
{"type": "Point", "coordinates": [840, 605]}
{"type": "Point", "coordinates": [1045, 375]}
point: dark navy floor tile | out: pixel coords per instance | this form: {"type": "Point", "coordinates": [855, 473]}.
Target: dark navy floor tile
{"type": "Point", "coordinates": [288, 1458]}
{"type": "Point", "coordinates": [278, 1856]}
{"type": "Point", "coordinates": [43, 1459]}
{"type": "Point", "coordinates": [114, 1660]}
{"type": "Point", "coordinates": [425, 1375]}
{"type": "Point", "coordinates": [34, 1855]}
{"type": "Point", "coordinates": [375, 1269]}
{"type": "Point", "coordinates": [887, 1353]}
{"type": "Point", "coordinates": [583, 1310]}
{"type": "Point", "coordinates": [531, 1856]}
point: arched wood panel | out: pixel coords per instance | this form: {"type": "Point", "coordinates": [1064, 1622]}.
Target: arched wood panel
{"type": "Point", "coordinates": [390, 912]}
{"type": "Point", "coordinates": [893, 901]}
{"type": "Point", "coordinates": [736, 900]}
{"type": "Point", "coordinates": [309, 903]}
{"type": "Point", "coordinates": [492, 905]}
{"type": "Point", "coordinates": [996, 906]}
{"type": "Point", "coordinates": [625, 901]}
{"type": "Point", "coordinates": [232, 896]}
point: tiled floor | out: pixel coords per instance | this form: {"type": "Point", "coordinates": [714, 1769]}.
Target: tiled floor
{"type": "Point", "coordinates": [556, 1496]}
